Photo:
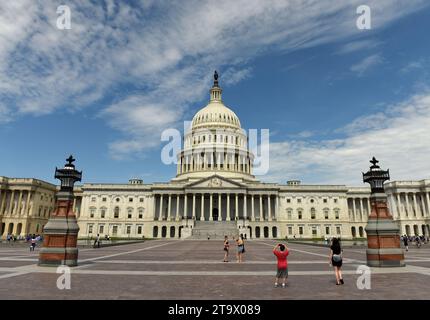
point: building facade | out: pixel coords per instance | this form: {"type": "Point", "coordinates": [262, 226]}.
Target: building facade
{"type": "Point", "coordinates": [214, 193]}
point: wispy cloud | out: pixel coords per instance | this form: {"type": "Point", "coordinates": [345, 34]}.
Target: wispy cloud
{"type": "Point", "coordinates": [367, 63]}
{"type": "Point", "coordinates": [358, 45]}
{"type": "Point", "coordinates": [162, 52]}
{"type": "Point", "coordinates": [398, 137]}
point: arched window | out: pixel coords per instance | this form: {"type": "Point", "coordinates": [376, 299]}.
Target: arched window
{"type": "Point", "coordinates": [102, 213]}
{"type": "Point", "coordinates": [313, 213]}
{"type": "Point", "coordinates": [116, 212]}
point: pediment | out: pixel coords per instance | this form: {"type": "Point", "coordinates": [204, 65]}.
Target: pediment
{"type": "Point", "coordinates": [215, 181]}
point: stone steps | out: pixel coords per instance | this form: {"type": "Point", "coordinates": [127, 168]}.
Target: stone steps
{"type": "Point", "coordinates": [214, 230]}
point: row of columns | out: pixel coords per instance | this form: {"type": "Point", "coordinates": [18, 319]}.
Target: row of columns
{"type": "Point", "coordinates": [409, 208]}
{"type": "Point", "coordinates": [230, 161]}
{"type": "Point", "coordinates": [359, 215]}
{"type": "Point", "coordinates": [271, 214]}
{"type": "Point", "coordinates": [7, 207]}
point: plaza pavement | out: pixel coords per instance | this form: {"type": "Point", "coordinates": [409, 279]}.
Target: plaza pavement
{"type": "Point", "coordinates": [188, 269]}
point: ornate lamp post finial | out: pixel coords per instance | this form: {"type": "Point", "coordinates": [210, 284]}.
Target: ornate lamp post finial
{"type": "Point", "coordinates": [68, 175]}
{"type": "Point", "coordinates": [376, 177]}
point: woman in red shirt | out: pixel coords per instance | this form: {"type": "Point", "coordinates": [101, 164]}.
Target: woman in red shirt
{"type": "Point", "coordinates": [282, 272]}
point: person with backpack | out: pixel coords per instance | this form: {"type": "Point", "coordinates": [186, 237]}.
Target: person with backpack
{"type": "Point", "coordinates": [335, 260]}
{"type": "Point", "coordinates": [281, 252]}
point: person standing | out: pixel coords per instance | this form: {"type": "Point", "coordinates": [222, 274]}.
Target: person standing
{"type": "Point", "coordinates": [405, 242]}
{"type": "Point", "coordinates": [33, 244]}
{"type": "Point", "coordinates": [226, 248]}
{"type": "Point", "coordinates": [97, 241]}
{"type": "Point", "coordinates": [240, 249]}
{"type": "Point", "coordinates": [335, 259]}
{"type": "Point", "coordinates": [282, 272]}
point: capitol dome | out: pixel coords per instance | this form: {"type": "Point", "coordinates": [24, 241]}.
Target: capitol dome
{"type": "Point", "coordinates": [215, 144]}
{"type": "Point", "coordinates": [215, 114]}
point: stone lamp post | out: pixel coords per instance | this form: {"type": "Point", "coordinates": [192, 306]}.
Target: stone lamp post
{"type": "Point", "coordinates": [61, 231]}
{"type": "Point", "coordinates": [383, 234]}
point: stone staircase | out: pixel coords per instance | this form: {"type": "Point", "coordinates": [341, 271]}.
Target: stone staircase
{"type": "Point", "coordinates": [214, 230]}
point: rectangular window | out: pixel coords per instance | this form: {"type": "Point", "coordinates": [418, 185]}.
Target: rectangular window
{"type": "Point", "coordinates": [301, 231]}
{"type": "Point", "coordinates": [338, 230]}
{"type": "Point", "coordinates": [314, 231]}
{"type": "Point", "coordinates": [290, 230]}
{"type": "Point", "coordinates": [130, 199]}
{"type": "Point", "coordinates": [288, 200]}
{"type": "Point", "coordinates": [101, 229]}
{"type": "Point", "coordinates": [299, 200]}
{"type": "Point", "coordinates": [90, 229]}
{"type": "Point", "coordinates": [104, 199]}
{"type": "Point", "coordinates": [92, 213]}
{"type": "Point", "coordinates": [335, 200]}
{"type": "Point", "coordinates": [290, 215]}
{"type": "Point", "coordinates": [325, 200]}
{"type": "Point", "coordinates": [93, 199]}
{"type": "Point", "coordinates": [337, 215]}
{"type": "Point", "coordinates": [326, 215]}
{"type": "Point", "coordinates": [128, 229]}
{"type": "Point", "coordinates": [141, 199]}
{"type": "Point", "coordinates": [114, 230]}
{"type": "Point", "coordinates": [103, 213]}
{"type": "Point", "coordinates": [139, 230]}
{"type": "Point", "coordinates": [300, 215]}
{"type": "Point", "coordinates": [327, 230]}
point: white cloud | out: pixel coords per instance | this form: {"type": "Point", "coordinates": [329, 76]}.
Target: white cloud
{"type": "Point", "coordinates": [358, 45]}
{"type": "Point", "coordinates": [167, 50]}
{"type": "Point", "coordinates": [366, 64]}
{"type": "Point", "coordinates": [398, 137]}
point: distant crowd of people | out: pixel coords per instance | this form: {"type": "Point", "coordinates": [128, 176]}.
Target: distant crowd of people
{"type": "Point", "coordinates": [417, 240]}
{"type": "Point", "coordinates": [31, 239]}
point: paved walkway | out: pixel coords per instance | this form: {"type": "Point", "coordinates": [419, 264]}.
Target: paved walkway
{"type": "Point", "coordinates": [172, 269]}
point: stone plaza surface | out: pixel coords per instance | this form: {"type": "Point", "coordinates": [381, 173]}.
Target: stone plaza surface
{"type": "Point", "coordinates": [188, 269]}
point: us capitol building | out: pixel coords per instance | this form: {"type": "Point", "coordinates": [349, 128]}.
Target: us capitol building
{"type": "Point", "coordinates": [213, 194]}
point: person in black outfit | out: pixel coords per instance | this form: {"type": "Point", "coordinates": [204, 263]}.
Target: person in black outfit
{"type": "Point", "coordinates": [405, 242]}
{"type": "Point", "coordinates": [335, 259]}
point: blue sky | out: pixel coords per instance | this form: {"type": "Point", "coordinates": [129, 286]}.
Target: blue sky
{"type": "Point", "coordinates": [331, 95]}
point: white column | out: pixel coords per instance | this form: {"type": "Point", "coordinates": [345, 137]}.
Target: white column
{"type": "Point", "coordinates": [27, 204]}
{"type": "Point", "coordinates": [160, 213]}
{"type": "Point", "coordinates": [369, 206]}
{"type": "Point", "coordinates": [415, 204]}
{"type": "Point", "coordinates": [211, 218]}
{"type": "Point", "coordinates": [407, 204]}
{"type": "Point", "coordinates": [177, 207]}
{"type": "Point", "coordinates": [194, 206]}
{"type": "Point", "coordinates": [185, 206]}
{"type": "Point", "coordinates": [237, 207]}
{"type": "Point", "coordinates": [361, 209]}
{"type": "Point", "coordinates": [354, 212]}
{"type": "Point", "coordinates": [12, 196]}
{"type": "Point", "coordinates": [245, 214]}
{"type": "Point", "coordinates": [398, 204]}
{"type": "Point", "coordinates": [269, 207]}
{"type": "Point", "coordinates": [202, 212]}
{"type": "Point", "coordinates": [219, 207]}
{"type": "Point", "coordinates": [19, 203]}
{"type": "Point", "coordinates": [168, 209]}
{"type": "Point", "coordinates": [228, 207]}
{"type": "Point", "coordinates": [276, 206]}
{"type": "Point", "coordinates": [428, 203]}
{"type": "Point", "coordinates": [252, 208]}
{"type": "Point", "coordinates": [423, 206]}
{"type": "Point", "coordinates": [261, 208]}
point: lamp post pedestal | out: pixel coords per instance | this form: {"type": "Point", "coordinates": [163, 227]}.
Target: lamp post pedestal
{"type": "Point", "coordinates": [61, 231]}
